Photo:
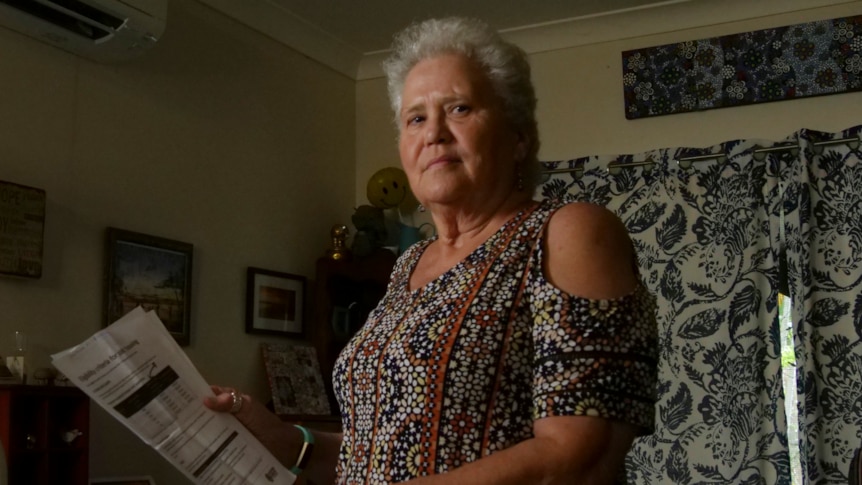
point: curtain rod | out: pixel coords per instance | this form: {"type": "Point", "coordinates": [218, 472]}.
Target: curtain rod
{"type": "Point", "coordinates": [759, 154]}
{"type": "Point", "coordinates": [685, 162]}
{"type": "Point", "coordinates": [852, 142]}
{"type": "Point", "coordinates": [615, 167]}
{"type": "Point", "coordinates": [563, 170]}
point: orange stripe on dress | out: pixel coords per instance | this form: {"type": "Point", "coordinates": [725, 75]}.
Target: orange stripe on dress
{"type": "Point", "coordinates": [486, 438]}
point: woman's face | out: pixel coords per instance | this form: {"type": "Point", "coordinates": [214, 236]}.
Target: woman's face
{"type": "Point", "coordinates": [455, 143]}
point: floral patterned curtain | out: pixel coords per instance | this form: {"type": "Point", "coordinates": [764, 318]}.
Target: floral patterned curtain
{"type": "Point", "coordinates": [823, 227]}
{"type": "Point", "coordinates": [706, 233]}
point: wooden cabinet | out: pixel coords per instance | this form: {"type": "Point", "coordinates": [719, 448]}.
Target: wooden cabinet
{"type": "Point", "coordinates": [345, 292]}
{"type": "Point", "coordinates": [33, 423]}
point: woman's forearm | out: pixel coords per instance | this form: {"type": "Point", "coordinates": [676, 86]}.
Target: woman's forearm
{"type": "Point", "coordinates": [285, 441]}
{"type": "Point", "coordinates": [282, 438]}
{"type": "Point", "coordinates": [520, 464]}
{"type": "Point", "coordinates": [324, 458]}
{"type": "Point", "coordinates": [566, 450]}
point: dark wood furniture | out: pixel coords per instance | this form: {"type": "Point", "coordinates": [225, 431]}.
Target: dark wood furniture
{"type": "Point", "coordinates": [33, 420]}
{"type": "Point", "coordinates": [345, 292]}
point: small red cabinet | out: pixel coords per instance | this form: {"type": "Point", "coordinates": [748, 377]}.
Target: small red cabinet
{"type": "Point", "coordinates": [34, 420]}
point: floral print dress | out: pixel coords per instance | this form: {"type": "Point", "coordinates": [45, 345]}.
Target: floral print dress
{"type": "Point", "coordinates": [458, 369]}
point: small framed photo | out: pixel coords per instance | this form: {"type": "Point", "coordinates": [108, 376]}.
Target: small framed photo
{"type": "Point", "coordinates": [275, 303]}
{"type": "Point", "coordinates": [151, 272]}
{"type": "Point", "coordinates": [293, 372]}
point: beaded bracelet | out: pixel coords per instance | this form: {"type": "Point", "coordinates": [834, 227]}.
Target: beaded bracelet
{"type": "Point", "coordinates": [305, 452]}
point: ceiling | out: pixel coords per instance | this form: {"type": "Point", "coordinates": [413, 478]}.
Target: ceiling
{"type": "Point", "coordinates": [359, 24]}
{"type": "Point", "coordinates": [344, 33]}
{"type": "Point", "coordinates": [352, 36]}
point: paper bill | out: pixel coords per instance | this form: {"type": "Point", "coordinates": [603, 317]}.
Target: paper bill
{"type": "Point", "coordinates": [136, 371]}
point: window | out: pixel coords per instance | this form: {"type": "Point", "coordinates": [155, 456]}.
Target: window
{"type": "Point", "coordinates": [788, 374]}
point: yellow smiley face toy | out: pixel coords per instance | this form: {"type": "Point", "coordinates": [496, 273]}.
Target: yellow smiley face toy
{"type": "Point", "coordinates": [387, 188]}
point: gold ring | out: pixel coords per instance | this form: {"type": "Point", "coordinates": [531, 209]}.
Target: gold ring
{"type": "Point", "coordinates": [237, 402]}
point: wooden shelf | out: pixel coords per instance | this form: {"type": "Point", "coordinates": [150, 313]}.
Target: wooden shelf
{"type": "Point", "coordinates": [344, 290]}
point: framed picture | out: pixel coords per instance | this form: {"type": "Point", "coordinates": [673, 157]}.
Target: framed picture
{"type": "Point", "coordinates": [123, 481]}
{"type": "Point", "coordinates": [151, 272]}
{"type": "Point", "coordinates": [22, 228]}
{"type": "Point", "coordinates": [275, 302]}
{"type": "Point", "coordinates": [293, 372]}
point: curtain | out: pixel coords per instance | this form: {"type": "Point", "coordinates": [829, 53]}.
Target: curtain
{"type": "Point", "coordinates": [823, 234]}
{"type": "Point", "coordinates": [705, 233]}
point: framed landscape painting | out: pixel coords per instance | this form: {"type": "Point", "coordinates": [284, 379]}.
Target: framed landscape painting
{"type": "Point", "coordinates": [275, 302]}
{"type": "Point", "coordinates": [151, 272]}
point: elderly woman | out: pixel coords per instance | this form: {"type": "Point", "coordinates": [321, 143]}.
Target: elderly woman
{"type": "Point", "coordinates": [516, 346]}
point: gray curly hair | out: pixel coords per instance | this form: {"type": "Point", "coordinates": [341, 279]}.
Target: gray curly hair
{"type": "Point", "coordinates": [505, 65]}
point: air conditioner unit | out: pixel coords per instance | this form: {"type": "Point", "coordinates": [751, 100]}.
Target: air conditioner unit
{"type": "Point", "coordinates": [101, 30]}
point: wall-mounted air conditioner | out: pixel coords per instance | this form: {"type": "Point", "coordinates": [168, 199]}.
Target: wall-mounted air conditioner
{"type": "Point", "coordinates": [101, 30]}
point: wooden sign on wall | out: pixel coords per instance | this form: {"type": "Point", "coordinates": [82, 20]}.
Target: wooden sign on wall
{"type": "Point", "coordinates": [22, 229]}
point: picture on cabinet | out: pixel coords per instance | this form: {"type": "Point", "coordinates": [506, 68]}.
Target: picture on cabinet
{"type": "Point", "coordinates": [295, 380]}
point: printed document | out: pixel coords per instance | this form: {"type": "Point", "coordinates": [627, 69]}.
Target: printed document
{"type": "Point", "coordinates": [137, 372]}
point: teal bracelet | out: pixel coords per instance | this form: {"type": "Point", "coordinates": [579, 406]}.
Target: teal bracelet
{"type": "Point", "coordinates": [305, 452]}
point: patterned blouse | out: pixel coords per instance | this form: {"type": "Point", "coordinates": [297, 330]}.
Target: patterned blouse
{"type": "Point", "coordinates": [460, 368]}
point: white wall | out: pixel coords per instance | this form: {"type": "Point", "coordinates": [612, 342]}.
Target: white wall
{"type": "Point", "coordinates": [219, 137]}
{"type": "Point", "coordinates": [580, 92]}
{"type": "Point", "coordinates": [225, 139]}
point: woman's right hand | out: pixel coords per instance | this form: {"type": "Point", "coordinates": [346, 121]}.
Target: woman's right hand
{"type": "Point", "coordinates": [223, 400]}
{"type": "Point", "coordinates": [268, 428]}
{"type": "Point", "coordinates": [281, 438]}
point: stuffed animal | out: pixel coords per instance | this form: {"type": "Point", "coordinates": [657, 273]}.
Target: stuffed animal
{"type": "Point", "coordinates": [370, 229]}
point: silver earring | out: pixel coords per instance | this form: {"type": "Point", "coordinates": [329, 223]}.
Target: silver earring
{"type": "Point", "coordinates": [421, 208]}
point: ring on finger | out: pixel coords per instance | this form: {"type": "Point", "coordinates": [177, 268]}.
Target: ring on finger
{"type": "Point", "coordinates": [237, 402]}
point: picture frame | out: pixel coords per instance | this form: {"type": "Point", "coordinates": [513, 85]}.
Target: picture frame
{"type": "Point", "coordinates": [275, 302]}
{"type": "Point", "coordinates": [22, 226]}
{"type": "Point", "coordinates": [295, 381]}
{"type": "Point", "coordinates": [152, 272]}
{"type": "Point", "coordinates": [141, 480]}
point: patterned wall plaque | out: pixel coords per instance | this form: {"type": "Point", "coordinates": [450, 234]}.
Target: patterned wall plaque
{"type": "Point", "coordinates": [796, 61]}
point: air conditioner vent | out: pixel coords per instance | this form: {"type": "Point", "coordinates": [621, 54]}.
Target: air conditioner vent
{"type": "Point", "coordinates": [103, 30]}
{"type": "Point", "coordinates": [64, 20]}
{"type": "Point", "coordinates": [89, 12]}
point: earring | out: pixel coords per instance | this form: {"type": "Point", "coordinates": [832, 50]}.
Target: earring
{"type": "Point", "coordinates": [519, 180]}
{"type": "Point", "coordinates": [421, 208]}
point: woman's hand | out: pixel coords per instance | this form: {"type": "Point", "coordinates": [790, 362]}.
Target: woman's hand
{"type": "Point", "coordinates": [223, 400]}
{"type": "Point", "coordinates": [282, 439]}
{"type": "Point", "coordinates": [268, 428]}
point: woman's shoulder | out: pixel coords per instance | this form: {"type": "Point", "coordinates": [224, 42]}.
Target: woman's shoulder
{"type": "Point", "coordinates": [586, 223]}
{"type": "Point", "coordinates": [588, 251]}
{"type": "Point", "coordinates": [566, 208]}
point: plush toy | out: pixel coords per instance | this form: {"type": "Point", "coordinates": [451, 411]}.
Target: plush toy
{"type": "Point", "coordinates": [370, 230]}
